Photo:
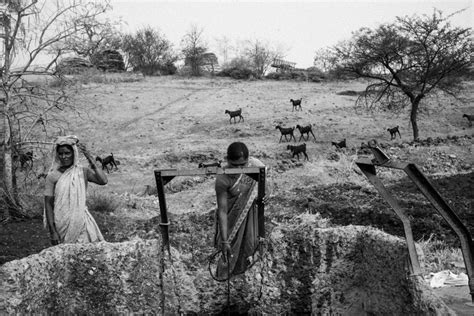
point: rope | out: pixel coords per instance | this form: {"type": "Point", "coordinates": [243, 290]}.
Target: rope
{"type": "Point", "coordinates": [176, 290]}
{"type": "Point", "coordinates": [228, 287]}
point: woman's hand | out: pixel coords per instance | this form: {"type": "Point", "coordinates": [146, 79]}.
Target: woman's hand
{"type": "Point", "coordinates": [83, 149]}
{"type": "Point", "coordinates": [226, 251]}
{"type": "Point", "coordinates": [54, 238]}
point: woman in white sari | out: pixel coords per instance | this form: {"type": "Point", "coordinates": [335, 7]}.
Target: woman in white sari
{"type": "Point", "coordinates": [66, 215]}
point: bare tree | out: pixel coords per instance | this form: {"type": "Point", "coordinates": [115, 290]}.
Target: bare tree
{"type": "Point", "coordinates": [96, 36]}
{"type": "Point", "coordinates": [32, 31]}
{"type": "Point", "coordinates": [326, 59]}
{"type": "Point", "coordinates": [408, 60]}
{"type": "Point", "coordinates": [261, 55]}
{"type": "Point", "coordinates": [193, 48]}
{"type": "Point", "coordinates": [224, 48]}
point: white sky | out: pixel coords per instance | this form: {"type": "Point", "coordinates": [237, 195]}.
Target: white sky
{"type": "Point", "coordinates": [301, 27]}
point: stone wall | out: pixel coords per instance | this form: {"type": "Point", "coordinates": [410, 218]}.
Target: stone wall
{"type": "Point", "coordinates": [320, 271]}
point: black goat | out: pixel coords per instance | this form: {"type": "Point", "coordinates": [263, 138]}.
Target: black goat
{"type": "Point", "coordinates": [297, 150]}
{"type": "Point", "coordinates": [213, 164]}
{"type": "Point", "coordinates": [25, 158]}
{"type": "Point", "coordinates": [109, 160]}
{"type": "Point", "coordinates": [41, 175]}
{"type": "Point", "coordinates": [234, 114]}
{"type": "Point", "coordinates": [296, 104]}
{"type": "Point", "coordinates": [393, 132]}
{"type": "Point", "coordinates": [305, 130]}
{"type": "Point", "coordinates": [470, 118]}
{"type": "Point", "coordinates": [286, 131]}
{"type": "Point", "coordinates": [341, 144]}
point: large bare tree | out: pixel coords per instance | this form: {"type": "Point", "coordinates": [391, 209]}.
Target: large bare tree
{"type": "Point", "coordinates": [96, 36]}
{"type": "Point", "coordinates": [194, 47]}
{"type": "Point", "coordinates": [408, 60]}
{"type": "Point", "coordinates": [261, 55]}
{"type": "Point", "coordinates": [34, 33]}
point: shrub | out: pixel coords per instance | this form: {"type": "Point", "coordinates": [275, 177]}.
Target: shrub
{"type": "Point", "coordinates": [237, 73]}
{"type": "Point", "coordinates": [438, 256]}
{"type": "Point", "coordinates": [102, 203]}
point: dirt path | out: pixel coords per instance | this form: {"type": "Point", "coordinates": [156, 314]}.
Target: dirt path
{"type": "Point", "coordinates": [167, 106]}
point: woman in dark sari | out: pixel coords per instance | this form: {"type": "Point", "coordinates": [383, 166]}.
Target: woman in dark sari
{"type": "Point", "coordinates": [236, 219]}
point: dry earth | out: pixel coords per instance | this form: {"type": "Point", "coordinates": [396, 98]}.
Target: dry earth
{"type": "Point", "coordinates": [166, 122]}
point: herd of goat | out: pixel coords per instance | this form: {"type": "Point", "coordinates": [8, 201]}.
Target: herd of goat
{"type": "Point", "coordinates": [26, 158]}
{"type": "Point", "coordinates": [289, 132]}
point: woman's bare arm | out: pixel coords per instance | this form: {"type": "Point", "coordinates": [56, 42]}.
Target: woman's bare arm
{"type": "Point", "coordinates": [49, 207]}
{"type": "Point", "coordinates": [222, 222]}
{"type": "Point", "coordinates": [94, 174]}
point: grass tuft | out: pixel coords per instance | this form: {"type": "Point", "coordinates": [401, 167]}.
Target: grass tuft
{"type": "Point", "coordinates": [438, 256]}
{"type": "Point", "coordinates": [102, 203]}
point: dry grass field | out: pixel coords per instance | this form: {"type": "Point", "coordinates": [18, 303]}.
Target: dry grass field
{"type": "Point", "coordinates": [174, 122]}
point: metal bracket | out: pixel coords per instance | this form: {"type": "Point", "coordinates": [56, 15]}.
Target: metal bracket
{"type": "Point", "coordinates": [164, 176]}
{"type": "Point", "coordinates": [382, 160]}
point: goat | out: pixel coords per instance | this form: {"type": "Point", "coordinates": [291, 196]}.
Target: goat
{"type": "Point", "coordinates": [305, 130]}
{"type": "Point", "coordinates": [25, 158]}
{"type": "Point", "coordinates": [296, 104]}
{"type": "Point", "coordinates": [109, 160]}
{"type": "Point", "coordinates": [286, 131]}
{"type": "Point", "coordinates": [470, 118]}
{"type": "Point", "coordinates": [297, 150]}
{"type": "Point", "coordinates": [341, 144]}
{"type": "Point", "coordinates": [393, 132]}
{"type": "Point", "coordinates": [41, 175]}
{"type": "Point", "coordinates": [234, 114]}
{"type": "Point", "coordinates": [213, 164]}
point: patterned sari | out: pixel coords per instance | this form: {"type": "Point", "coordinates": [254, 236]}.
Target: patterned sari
{"type": "Point", "coordinates": [242, 220]}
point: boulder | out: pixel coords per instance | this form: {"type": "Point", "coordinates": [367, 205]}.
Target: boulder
{"type": "Point", "coordinates": [73, 65]}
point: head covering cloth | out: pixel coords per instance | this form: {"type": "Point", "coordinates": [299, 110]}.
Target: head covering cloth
{"type": "Point", "coordinates": [70, 140]}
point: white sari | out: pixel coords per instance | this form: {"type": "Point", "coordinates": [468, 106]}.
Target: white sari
{"type": "Point", "coordinates": [72, 219]}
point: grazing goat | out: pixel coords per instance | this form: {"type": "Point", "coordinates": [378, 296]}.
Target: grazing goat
{"type": "Point", "coordinates": [341, 144]}
{"type": "Point", "coordinates": [297, 150]}
{"type": "Point", "coordinates": [296, 104]}
{"type": "Point", "coordinates": [286, 131]}
{"type": "Point", "coordinates": [393, 132]}
{"type": "Point", "coordinates": [470, 118]}
{"type": "Point", "coordinates": [305, 130]}
{"type": "Point", "coordinates": [25, 158]}
{"type": "Point", "coordinates": [214, 164]}
{"type": "Point", "coordinates": [109, 160]}
{"type": "Point", "coordinates": [234, 114]}
{"type": "Point", "coordinates": [41, 175]}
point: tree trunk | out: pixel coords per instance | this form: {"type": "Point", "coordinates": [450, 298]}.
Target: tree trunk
{"type": "Point", "coordinates": [5, 138]}
{"type": "Point", "coordinates": [413, 117]}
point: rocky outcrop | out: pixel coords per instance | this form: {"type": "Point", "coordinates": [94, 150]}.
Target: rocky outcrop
{"type": "Point", "coordinates": [301, 269]}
